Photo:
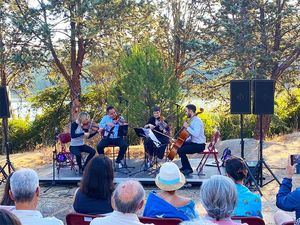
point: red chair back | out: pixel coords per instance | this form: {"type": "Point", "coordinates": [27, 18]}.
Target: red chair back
{"type": "Point", "coordinates": [161, 221]}
{"type": "Point", "coordinates": [85, 219]}
{"type": "Point", "coordinates": [249, 220]}
{"type": "Point", "coordinates": [215, 138]}
{"type": "Point", "coordinates": [79, 219]}
{"type": "Point", "coordinates": [289, 223]}
{"type": "Point", "coordinates": [64, 138]}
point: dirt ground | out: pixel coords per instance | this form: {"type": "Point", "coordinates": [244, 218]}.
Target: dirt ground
{"type": "Point", "coordinates": [57, 201]}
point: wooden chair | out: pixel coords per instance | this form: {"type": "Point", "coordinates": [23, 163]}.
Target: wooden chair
{"type": "Point", "coordinates": [161, 221]}
{"type": "Point", "coordinates": [211, 150]}
{"type": "Point", "coordinates": [249, 220]}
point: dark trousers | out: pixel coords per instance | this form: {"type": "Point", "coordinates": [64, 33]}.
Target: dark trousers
{"type": "Point", "coordinates": [113, 141]}
{"type": "Point", "coordinates": [76, 150]}
{"type": "Point", "coordinates": [152, 150]}
{"type": "Point", "coordinates": [189, 148]}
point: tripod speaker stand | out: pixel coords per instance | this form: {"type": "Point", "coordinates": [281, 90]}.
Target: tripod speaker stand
{"type": "Point", "coordinates": [5, 114]}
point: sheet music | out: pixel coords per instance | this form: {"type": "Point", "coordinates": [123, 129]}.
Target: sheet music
{"type": "Point", "coordinates": [152, 136]}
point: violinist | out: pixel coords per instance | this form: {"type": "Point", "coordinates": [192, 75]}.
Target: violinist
{"type": "Point", "coordinates": [195, 143]}
{"type": "Point", "coordinates": [80, 131]}
{"type": "Point", "coordinates": [109, 126]}
{"type": "Point", "coordinates": [159, 127]}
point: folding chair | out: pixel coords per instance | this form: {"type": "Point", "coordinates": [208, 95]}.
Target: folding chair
{"type": "Point", "coordinates": [211, 150]}
{"type": "Point", "coordinates": [249, 220]}
{"type": "Point", "coordinates": [160, 221]}
{"type": "Point", "coordinates": [64, 158]}
{"type": "Point", "coordinates": [79, 219]}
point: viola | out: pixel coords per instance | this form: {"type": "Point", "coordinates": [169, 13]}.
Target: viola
{"type": "Point", "coordinates": [183, 134]}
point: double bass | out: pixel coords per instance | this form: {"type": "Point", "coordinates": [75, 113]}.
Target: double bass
{"type": "Point", "coordinates": [183, 134]}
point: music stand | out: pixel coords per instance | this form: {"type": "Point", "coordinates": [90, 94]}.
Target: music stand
{"type": "Point", "coordinates": [140, 132]}
{"type": "Point", "coordinates": [122, 133]}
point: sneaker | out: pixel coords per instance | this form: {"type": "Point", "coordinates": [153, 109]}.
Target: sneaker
{"type": "Point", "coordinates": [119, 165]}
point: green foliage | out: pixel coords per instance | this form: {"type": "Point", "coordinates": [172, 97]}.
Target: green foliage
{"type": "Point", "coordinates": [229, 126]}
{"type": "Point", "coordinates": [210, 124]}
{"type": "Point", "coordinates": [287, 112]}
{"type": "Point", "coordinates": [19, 134]}
{"type": "Point", "coordinates": [145, 80]}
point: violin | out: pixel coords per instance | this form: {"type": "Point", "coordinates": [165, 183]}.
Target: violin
{"type": "Point", "coordinates": [183, 134]}
{"type": "Point", "coordinates": [162, 124]}
{"type": "Point", "coordinates": [90, 126]}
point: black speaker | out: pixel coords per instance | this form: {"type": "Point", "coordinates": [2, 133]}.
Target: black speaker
{"type": "Point", "coordinates": [4, 102]}
{"type": "Point", "coordinates": [240, 97]}
{"type": "Point", "coordinates": [263, 97]}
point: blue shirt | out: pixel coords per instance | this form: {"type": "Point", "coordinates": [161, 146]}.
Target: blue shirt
{"type": "Point", "coordinates": [103, 124]}
{"type": "Point", "coordinates": [248, 204]}
{"type": "Point", "coordinates": [157, 207]}
{"type": "Point", "coordinates": [288, 200]}
{"type": "Point", "coordinates": [196, 131]}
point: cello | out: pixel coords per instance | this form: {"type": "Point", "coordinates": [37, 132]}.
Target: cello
{"type": "Point", "coordinates": [183, 134]}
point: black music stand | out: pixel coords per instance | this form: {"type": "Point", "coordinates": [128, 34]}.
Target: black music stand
{"type": "Point", "coordinates": [143, 168]}
{"type": "Point", "coordinates": [122, 133]}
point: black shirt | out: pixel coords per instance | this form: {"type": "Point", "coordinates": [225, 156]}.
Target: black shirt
{"type": "Point", "coordinates": [87, 205]}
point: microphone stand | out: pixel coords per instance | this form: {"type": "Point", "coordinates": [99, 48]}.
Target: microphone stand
{"type": "Point", "coordinates": [54, 154]}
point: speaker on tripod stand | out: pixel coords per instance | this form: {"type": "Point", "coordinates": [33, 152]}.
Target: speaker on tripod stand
{"type": "Point", "coordinates": [5, 112]}
{"type": "Point", "coordinates": [263, 104]}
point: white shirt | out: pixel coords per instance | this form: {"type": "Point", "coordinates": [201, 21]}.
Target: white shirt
{"type": "Point", "coordinates": [34, 217]}
{"type": "Point", "coordinates": [196, 131]}
{"type": "Point", "coordinates": [117, 218]}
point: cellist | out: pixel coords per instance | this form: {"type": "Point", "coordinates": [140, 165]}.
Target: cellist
{"type": "Point", "coordinates": [195, 143]}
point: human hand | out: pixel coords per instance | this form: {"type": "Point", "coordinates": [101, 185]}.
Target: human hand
{"type": "Point", "coordinates": [185, 124]}
{"type": "Point", "coordinates": [290, 170]}
{"type": "Point", "coordinates": [86, 134]}
{"type": "Point", "coordinates": [151, 126]}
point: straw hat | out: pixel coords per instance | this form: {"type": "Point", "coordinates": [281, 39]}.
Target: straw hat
{"type": "Point", "coordinates": [169, 178]}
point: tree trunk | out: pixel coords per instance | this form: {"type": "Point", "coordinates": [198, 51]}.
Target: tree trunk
{"type": "Point", "coordinates": [75, 91]}
{"type": "Point", "coordinates": [266, 121]}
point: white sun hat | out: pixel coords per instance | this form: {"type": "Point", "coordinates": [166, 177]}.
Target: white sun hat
{"type": "Point", "coordinates": [169, 178]}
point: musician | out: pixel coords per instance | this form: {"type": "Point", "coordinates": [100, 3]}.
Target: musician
{"type": "Point", "coordinates": [156, 123]}
{"type": "Point", "coordinates": [109, 126]}
{"type": "Point", "coordinates": [195, 143]}
{"type": "Point", "coordinates": [78, 134]}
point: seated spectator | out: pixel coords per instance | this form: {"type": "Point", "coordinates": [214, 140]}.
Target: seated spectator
{"type": "Point", "coordinates": [286, 199]}
{"type": "Point", "coordinates": [218, 196]}
{"type": "Point", "coordinates": [7, 218]}
{"type": "Point", "coordinates": [127, 201]}
{"type": "Point", "coordinates": [6, 199]}
{"type": "Point", "coordinates": [25, 192]}
{"type": "Point", "coordinates": [168, 204]}
{"type": "Point", "coordinates": [96, 187]}
{"type": "Point", "coordinates": [248, 203]}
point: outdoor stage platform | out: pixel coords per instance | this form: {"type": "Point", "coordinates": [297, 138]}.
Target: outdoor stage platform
{"type": "Point", "coordinates": [68, 176]}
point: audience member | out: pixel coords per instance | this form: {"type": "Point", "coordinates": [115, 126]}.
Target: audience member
{"type": "Point", "coordinates": [286, 199]}
{"type": "Point", "coordinates": [248, 203]}
{"type": "Point", "coordinates": [25, 192]}
{"type": "Point", "coordinates": [6, 199]}
{"type": "Point", "coordinates": [7, 218]}
{"type": "Point", "coordinates": [127, 201]}
{"type": "Point", "coordinates": [94, 194]}
{"type": "Point", "coordinates": [218, 196]}
{"type": "Point", "coordinates": [168, 204]}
